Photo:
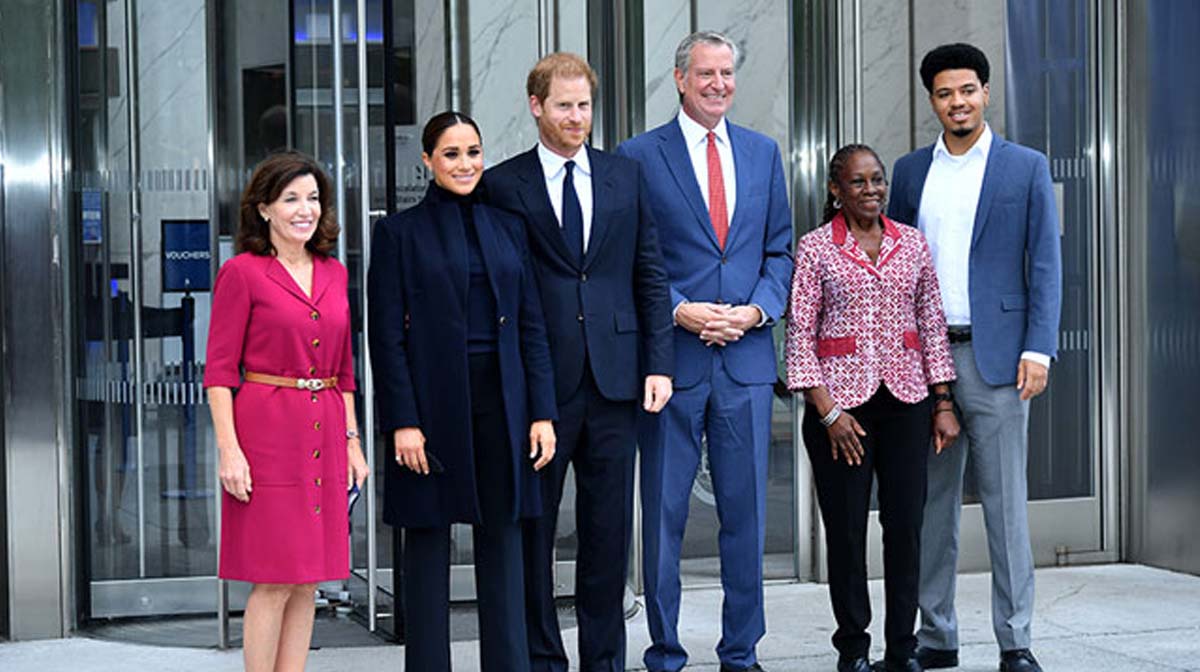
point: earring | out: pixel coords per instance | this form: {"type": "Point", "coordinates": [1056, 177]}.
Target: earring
{"type": "Point", "coordinates": [837, 204]}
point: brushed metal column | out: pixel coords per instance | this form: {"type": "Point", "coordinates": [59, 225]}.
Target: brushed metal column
{"type": "Point", "coordinates": [32, 390]}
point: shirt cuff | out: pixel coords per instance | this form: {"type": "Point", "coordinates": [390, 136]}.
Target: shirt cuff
{"type": "Point", "coordinates": [1037, 357]}
{"type": "Point", "coordinates": [675, 312]}
{"type": "Point", "coordinates": [763, 319]}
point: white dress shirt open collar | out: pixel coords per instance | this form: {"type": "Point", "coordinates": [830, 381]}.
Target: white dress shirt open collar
{"type": "Point", "coordinates": [554, 170]}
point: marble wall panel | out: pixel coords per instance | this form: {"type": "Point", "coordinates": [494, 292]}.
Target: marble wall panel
{"type": "Point", "coordinates": [760, 28]}
{"type": "Point", "coordinates": [430, 54]}
{"type": "Point", "coordinates": [886, 79]}
{"type": "Point", "coordinates": [572, 26]}
{"type": "Point", "coordinates": [664, 23]}
{"type": "Point", "coordinates": [503, 47]}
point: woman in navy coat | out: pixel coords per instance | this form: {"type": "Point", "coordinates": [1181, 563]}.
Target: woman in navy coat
{"type": "Point", "coordinates": [465, 389]}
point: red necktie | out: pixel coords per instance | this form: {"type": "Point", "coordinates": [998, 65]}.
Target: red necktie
{"type": "Point", "coordinates": [716, 193]}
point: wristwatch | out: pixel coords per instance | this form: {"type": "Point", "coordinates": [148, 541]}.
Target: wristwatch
{"type": "Point", "coordinates": [943, 396]}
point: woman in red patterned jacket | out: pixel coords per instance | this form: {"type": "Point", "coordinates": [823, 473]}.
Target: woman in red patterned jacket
{"type": "Point", "coordinates": [866, 344]}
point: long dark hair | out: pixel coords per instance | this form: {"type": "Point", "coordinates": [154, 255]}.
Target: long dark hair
{"type": "Point", "coordinates": [270, 178]}
{"type": "Point", "coordinates": [438, 124]}
{"type": "Point", "coordinates": [836, 165]}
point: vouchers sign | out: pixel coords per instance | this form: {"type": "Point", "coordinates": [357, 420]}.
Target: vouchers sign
{"type": "Point", "coordinates": [186, 258]}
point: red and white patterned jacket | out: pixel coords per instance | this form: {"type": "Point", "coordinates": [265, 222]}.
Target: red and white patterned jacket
{"type": "Point", "coordinates": [856, 324]}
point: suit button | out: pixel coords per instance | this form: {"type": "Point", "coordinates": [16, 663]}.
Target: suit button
{"type": "Point", "coordinates": [503, 320]}
{"type": "Point", "coordinates": [314, 315]}
{"type": "Point", "coordinates": [724, 260]}
{"type": "Point", "coordinates": [579, 317]}
{"type": "Point", "coordinates": [316, 342]}
{"type": "Point", "coordinates": [583, 277]}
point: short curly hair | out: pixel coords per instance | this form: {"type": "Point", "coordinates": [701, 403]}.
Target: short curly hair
{"type": "Point", "coordinates": [269, 180]}
{"type": "Point", "coordinates": [957, 56]}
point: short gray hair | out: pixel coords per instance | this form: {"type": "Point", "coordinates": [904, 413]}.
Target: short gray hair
{"type": "Point", "coordinates": [683, 53]}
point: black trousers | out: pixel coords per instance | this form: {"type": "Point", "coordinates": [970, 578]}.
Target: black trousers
{"type": "Point", "coordinates": [896, 451]}
{"type": "Point", "coordinates": [598, 436]}
{"type": "Point", "coordinates": [498, 557]}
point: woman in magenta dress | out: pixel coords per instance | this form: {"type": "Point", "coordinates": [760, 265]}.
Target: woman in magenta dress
{"type": "Point", "coordinates": [288, 440]}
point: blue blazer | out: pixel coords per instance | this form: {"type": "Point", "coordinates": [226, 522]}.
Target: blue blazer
{"type": "Point", "coordinates": [754, 268]}
{"type": "Point", "coordinates": [417, 293]}
{"type": "Point", "coordinates": [1015, 284]}
{"type": "Point", "coordinates": [615, 307]}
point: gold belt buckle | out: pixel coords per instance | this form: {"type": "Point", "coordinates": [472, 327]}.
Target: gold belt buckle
{"type": "Point", "coordinates": [311, 384]}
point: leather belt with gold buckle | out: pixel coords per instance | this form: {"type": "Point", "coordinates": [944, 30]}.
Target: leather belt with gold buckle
{"type": "Point", "coordinates": [310, 384]}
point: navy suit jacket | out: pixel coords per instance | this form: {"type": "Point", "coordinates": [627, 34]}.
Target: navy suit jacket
{"type": "Point", "coordinates": [756, 264]}
{"type": "Point", "coordinates": [417, 293]}
{"type": "Point", "coordinates": [616, 305]}
{"type": "Point", "coordinates": [1015, 285]}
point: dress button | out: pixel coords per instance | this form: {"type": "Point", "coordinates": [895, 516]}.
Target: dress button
{"type": "Point", "coordinates": [317, 508]}
{"type": "Point", "coordinates": [314, 397]}
{"type": "Point", "coordinates": [314, 315]}
{"type": "Point", "coordinates": [312, 370]}
{"type": "Point", "coordinates": [317, 424]}
{"type": "Point", "coordinates": [316, 342]}
{"type": "Point", "coordinates": [318, 482]}
{"type": "Point", "coordinates": [317, 454]}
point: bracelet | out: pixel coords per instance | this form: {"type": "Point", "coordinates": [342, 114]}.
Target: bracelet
{"type": "Point", "coordinates": [351, 434]}
{"type": "Point", "coordinates": [832, 416]}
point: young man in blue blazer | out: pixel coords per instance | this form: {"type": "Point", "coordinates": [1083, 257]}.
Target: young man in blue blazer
{"type": "Point", "coordinates": [720, 200]}
{"type": "Point", "coordinates": [608, 317]}
{"type": "Point", "coordinates": [987, 209]}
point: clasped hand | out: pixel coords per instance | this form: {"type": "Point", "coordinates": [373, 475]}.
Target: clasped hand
{"type": "Point", "coordinates": [716, 323]}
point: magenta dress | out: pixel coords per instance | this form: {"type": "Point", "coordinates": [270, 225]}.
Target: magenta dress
{"type": "Point", "coordinates": [294, 528]}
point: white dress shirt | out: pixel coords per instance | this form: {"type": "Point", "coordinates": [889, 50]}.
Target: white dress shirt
{"type": "Point", "coordinates": [946, 216]}
{"type": "Point", "coordinates": [695, 137]}
{"type": "Point", "coordinates": [554, 168]}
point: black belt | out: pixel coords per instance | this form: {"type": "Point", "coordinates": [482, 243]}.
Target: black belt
{"type": "Point", "coordinates": [959, 334]}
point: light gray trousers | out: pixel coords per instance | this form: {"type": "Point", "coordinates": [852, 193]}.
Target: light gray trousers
{"type": "Point", "coordinates": [994, 433]}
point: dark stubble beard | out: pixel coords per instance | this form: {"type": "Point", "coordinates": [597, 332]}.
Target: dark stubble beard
{"type": "Point", "coordinates": [961, 132]}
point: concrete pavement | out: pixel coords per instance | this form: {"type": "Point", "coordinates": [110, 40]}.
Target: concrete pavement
{"type": "Point", "coordinates": [1125, 618]}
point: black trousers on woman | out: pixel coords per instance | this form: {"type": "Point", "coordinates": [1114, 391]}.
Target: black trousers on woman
{"type": "Point", "coordinates": [896, 450]}
{"type": "Point", "coordinates": [499, 569]}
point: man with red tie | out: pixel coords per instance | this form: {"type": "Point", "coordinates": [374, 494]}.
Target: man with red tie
{"type": "Point", "coordinates": [718, 194]}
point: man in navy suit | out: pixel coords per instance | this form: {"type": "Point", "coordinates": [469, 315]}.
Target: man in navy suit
{"type": "Point", "coordinates": [987, 208]}
{"type": "Point", "coordinates": [719, 197]}
{"type": "Point", "coordinates": [604, 291]}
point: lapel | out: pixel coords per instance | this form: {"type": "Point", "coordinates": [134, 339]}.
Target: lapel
{"type": "Point", "coordinates": [280, 275]}
{"type": "Point", "coordinates": [445, 224]}
{"type": "Point", "coordinates": [675, 154]}
{"type": "Point", "coordinates": [742, 163]}
{"type": "Point", "coordinates": [536, 200]}
{"type": "Point", "coordinates": [848, 246]}
{"type": "Point", "coordinates": [992, 174]}
{"type": "Point", "coordinates": [916, 187]}
{"type": "Point", "coordinates": [489, 247]}
{"type": "Point", "coordinates": [603, 193]}
{"type": "Point", "coordinates": [322, 275]}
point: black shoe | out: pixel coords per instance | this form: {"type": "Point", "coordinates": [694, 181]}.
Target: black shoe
{"type": "Point", "coordinates": [886, 665]}
{"type": "Point", "coordinates": [859, 664]}
{"type": "Point", "coordinates": [1019, 660]}
{"type": "Point", "coordinates": [753, 668]}
{"type": "Point", "coordinates": [936, 659]}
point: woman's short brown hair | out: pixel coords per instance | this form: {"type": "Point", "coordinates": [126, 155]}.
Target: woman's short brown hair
{"type": "Point", "coordinates": [270, 178]}
{"type": "Point", "coordinates": [560, 64]}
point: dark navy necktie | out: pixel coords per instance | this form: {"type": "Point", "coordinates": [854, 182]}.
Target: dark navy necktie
{"type": "Point", "coordinates": [572, 215]}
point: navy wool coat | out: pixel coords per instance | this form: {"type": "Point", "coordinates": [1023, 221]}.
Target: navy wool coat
{"type": "Point", "coordinates": [417, 293]}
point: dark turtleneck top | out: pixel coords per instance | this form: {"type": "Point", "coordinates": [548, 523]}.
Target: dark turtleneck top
{"type": "Point", "coordinates": [481, 300]}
